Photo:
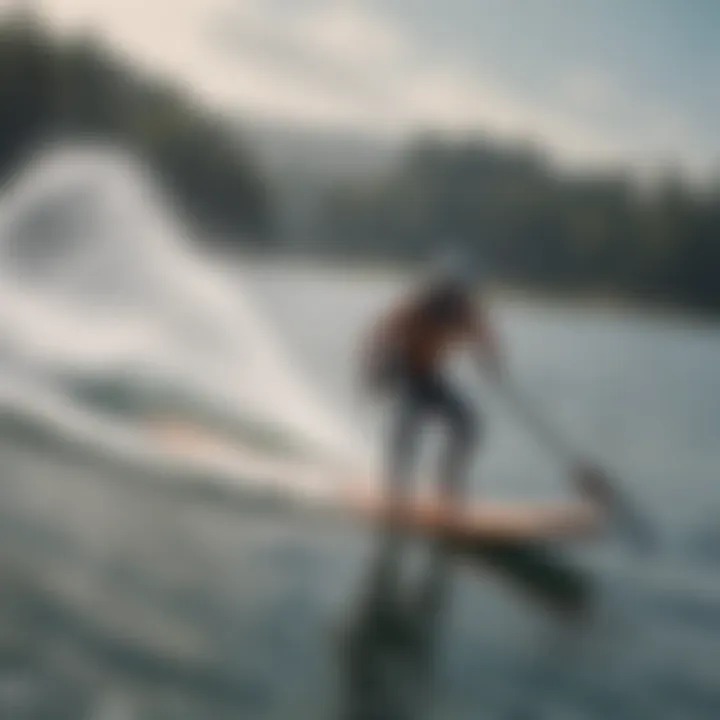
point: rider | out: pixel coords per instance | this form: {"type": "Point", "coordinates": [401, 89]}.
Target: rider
{"type": "Point", "coordinates": [405, 354]}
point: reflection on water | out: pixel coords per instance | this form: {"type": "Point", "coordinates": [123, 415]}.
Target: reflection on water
{"type": "Point", "coordinates": [389, 652]}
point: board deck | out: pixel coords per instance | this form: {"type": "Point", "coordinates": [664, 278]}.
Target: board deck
{"type": "Point", "coordinates": [485, 521]}
{"type": "Point", "coordinates": [480, 521]}
{"type": "Point", "coordinates": [510, 540]}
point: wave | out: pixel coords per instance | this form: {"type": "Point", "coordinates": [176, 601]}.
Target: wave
{"type": "Point", "coordinates": [129, 453]}
{"type": "Point", "coordinates": [111, 319]}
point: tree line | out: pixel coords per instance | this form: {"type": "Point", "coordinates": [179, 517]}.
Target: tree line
{"type": "Point", "coordinates": [536, 226]}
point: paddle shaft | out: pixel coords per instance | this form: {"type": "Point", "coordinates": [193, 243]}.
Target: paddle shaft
{"type": "Point", "coordinates": [537, 423]}
{"type": "Point", "coordinates": [635, 527]}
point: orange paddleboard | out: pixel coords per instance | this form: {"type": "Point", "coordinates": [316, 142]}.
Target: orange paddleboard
{"type": "Point", "coordinates": [479, 521]}
{"type": "Point", "coordinates": [483, 521]}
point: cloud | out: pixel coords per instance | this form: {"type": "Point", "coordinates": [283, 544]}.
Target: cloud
{"type": "Point", "coordinates": [343, 63]}
{"type": "Point", "coordinates": [348, 34]}
{"type": "Point", "coordinates": [335, 55]}
{"type": "Point", "coordinates": [648, 135]}
{"type": "Point", "coordinates": [590, 89]}
{"type": "Point", "coordinates": [159, 34]}
{"type": "Point", "coordinates": [358, 66]}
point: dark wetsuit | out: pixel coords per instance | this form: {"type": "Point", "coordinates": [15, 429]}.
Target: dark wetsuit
{"type": "Point", "coordinates": [419, 336]}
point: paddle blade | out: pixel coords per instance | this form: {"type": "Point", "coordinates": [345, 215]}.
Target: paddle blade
{"type": "Point", "coordinates": [596, 485]}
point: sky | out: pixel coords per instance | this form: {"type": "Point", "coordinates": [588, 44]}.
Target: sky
{"type": "Point", "coordinates": [597, 81]}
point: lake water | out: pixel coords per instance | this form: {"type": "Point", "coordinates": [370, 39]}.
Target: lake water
{"type": "Point", "coordinates": [130, 591]}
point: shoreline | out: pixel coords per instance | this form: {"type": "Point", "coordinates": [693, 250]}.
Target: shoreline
{"type": "Point", "coordinates": [605, 303]}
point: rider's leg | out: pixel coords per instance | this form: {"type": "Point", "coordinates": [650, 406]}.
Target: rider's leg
{"type": "Point", "coordinates": [403, 442]}
{"type": "Point", "coordinates": [464, 433]}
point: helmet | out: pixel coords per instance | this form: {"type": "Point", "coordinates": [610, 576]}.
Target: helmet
{"type": "Point", "coordinates": [453, 269]}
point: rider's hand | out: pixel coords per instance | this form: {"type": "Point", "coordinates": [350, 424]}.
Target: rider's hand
{"type": "Point", "coordinates": [593, 483]}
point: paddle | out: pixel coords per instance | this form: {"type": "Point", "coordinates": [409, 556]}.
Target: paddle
{"type": "Point", "coordinates": [591, 480]}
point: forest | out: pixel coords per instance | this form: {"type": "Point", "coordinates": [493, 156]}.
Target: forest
{"type": "Point", "coordinates": [534, 225]}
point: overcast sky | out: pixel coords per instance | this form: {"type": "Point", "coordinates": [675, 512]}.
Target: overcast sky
{"type": "Point", "coordinates": [597, 80]}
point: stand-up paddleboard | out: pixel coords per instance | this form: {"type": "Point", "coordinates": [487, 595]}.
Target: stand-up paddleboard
{"type": "Point", "coordinates": [482, 521]}
{"type": "Point", "coordinates": [511, 539]}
